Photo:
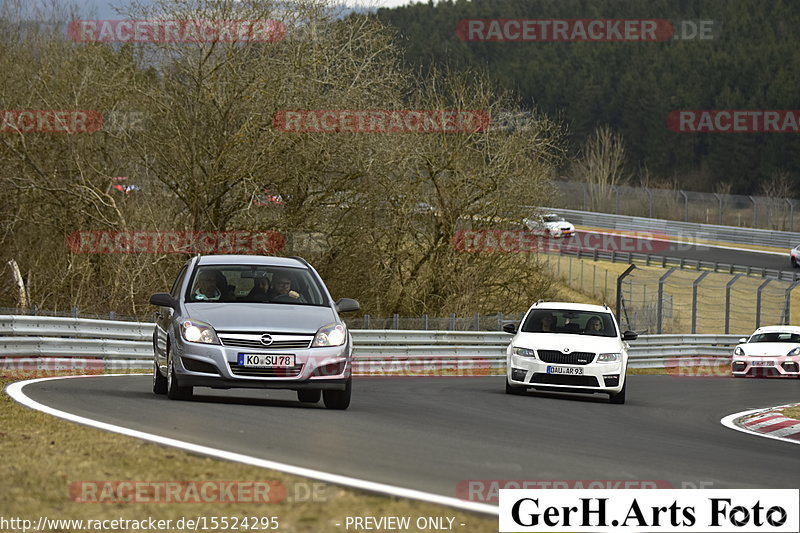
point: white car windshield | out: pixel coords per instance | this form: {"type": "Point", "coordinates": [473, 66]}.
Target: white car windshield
{"type": "Point", "coordinates": [552, 218]}
{"type": "Point", "coordinates": [775, 336]}
{"type": "Point", "coordinates": [570, 321]}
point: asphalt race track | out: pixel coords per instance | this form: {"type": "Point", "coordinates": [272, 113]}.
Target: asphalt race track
{"type": "Point", "coordinates": [431, 433]}
{"type": "Point", "coordinates": [587, 241]}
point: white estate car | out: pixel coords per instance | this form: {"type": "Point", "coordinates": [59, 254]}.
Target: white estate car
{"type": "Point", "coordinates": [771, 351]}
{"type": "Point", "coordinates": [568, 347]}
{"type": "Point", "coordinates": [550, 224]}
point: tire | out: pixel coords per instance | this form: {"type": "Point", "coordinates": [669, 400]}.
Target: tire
{"type": "Point", "coordinates": [309, 395]}
{"type": "Point", "coordinates": [175, 391]}
{"type": "Point", "coordinates": [159, 381]}
{"type": "Point", "coordinates": [794, 263]}
{"type": "Point", "coordinates": [619, 397]}
{"type": "Point", "coordinates": [511, 389]}
{"type": "Point", "coordinates": [338, 399]}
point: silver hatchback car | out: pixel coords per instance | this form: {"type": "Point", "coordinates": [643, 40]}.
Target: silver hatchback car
{"type": "Point", "coordinates": [243, 321]}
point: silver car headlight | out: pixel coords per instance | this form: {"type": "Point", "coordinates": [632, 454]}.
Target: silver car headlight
{"type": "Point", "coordinates": [523, 352]}
{"type": "Point", "coordinates": [609, 357]}
{"type": "Point", "coordinates": [330, 335]}
{"type": "Point", "coordinates": [196, 331]}
{"type": "Point", "coordinates": [794, 351]}
{"type": "Point", "coordinates": [738, 351]}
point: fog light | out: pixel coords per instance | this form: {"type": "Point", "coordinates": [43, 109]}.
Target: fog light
{"type": "Point", "coordinates": [739, 366]}
{"type": "Point", "coordinates": [790, 366]}
{"type": "Point", "coordinates": [518, 374]}
{"type": "Point", "coordinates": [611, 380]}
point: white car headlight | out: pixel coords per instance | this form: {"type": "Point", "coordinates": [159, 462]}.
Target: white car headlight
{"type": "Point", "coordinates": [609, 357]}
{"type": "Point", "coordinates": [196, 331]}
{"type": "Point", "coordinates": [330, 335]}
{"type": "Point", "coordinates": [738, 351]}
{"type": "Point", "coordinates": [523, 352]}
{"type": "Point", "coordinates": [794, 351]}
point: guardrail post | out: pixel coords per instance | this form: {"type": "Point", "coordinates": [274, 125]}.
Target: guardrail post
{"type": "Point", "coordinates": [34, 309]}
{"type": "Point", "coordinates": [620, 278]}
{"type": "Point", "coordinates": [685, 205]}
{"type": "Point", "coordinates": [695, 285]}
{"type": "Point", "coordinates": [660, 311]}
{"type": "Point", "coordinates": [755, 212]}
{"type": "Point", "coordinates": [452, 321]}
{"type": "Point", "coordinates": [500, 320]}
{"type": "Point", "coordinates": [649, 201]}
{"type": "Point", "coordinates": [476, 322]}
{"type": "Point", "coordinates": [395, 321]}
{"type": "Point", "coordinates": [112, 315]}
{"type": "Point", "coordinates": [719, 198]}
{"type": "Point", "coordinates": [366, 321]}
{"type": "Point", "coordinates": [425, 321]}
{"type": "Point", "coordinates": [788, 302]}
{"type": "Point", "coordinates": [728, 303]}
{"type": "Point", "coordinates": [758, 301]}
{"type": "Point", "coordinates": [73, 312]}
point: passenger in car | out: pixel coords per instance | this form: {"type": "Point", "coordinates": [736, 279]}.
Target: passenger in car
{"type": "Point", "coordinates": [594, 325]}
{"type": "Point", "coordinates": [260, 290]}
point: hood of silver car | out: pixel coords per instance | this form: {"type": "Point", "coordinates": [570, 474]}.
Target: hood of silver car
{"type": "Point", "coordinates": [258, 317]}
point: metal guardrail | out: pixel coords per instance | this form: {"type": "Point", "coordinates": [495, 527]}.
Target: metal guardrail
{"type": "Point", "coordinates": [690, 230]}
{"type": "Point", "coordinates": [74, 343]}
{"type": "Point", "coordinates": [682, 263]}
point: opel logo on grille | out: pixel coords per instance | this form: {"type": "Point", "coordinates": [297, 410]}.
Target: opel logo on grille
{"type": "Point", "coordinates": [266, 339]}
{"type": "Point", "coordinates": [565, 350]}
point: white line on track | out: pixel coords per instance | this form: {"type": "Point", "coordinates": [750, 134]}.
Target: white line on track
{"type": "Point", "coordinates": [15, 390]}
{"type": "Point", "coordinates": [728, 422]}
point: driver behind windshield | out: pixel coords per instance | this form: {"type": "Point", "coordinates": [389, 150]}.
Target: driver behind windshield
{"type": "Point", "coordinates": [206, 287]}
{"type": "Point", "coordinates": [282, 290]}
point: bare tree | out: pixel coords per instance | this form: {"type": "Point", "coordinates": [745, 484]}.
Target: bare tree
{"type": "Point", "coordinates": [601, 165]}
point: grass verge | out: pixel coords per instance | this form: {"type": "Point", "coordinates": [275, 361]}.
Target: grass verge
{"type": "Point", "coordinates": [792, 412]}
{"type": "Point", "coordinates": [45, 458]}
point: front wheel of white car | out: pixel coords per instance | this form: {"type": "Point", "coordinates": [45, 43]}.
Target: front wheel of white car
{"type": "Point", "coordinates": [511, 389]}
{"type": "Point", "coordinates": [619, 397]}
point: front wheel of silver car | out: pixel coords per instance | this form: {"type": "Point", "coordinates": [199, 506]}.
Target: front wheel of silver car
{"type": "Point", "coordinates": [309, 395]}
{"type": "Point", "coordinates": [159, 381]}
{"type": "Point", "coordinates": [175, 391]}
{"type": "Point", "coordinates": [619, 397]}
{"type": "Point", "coordinates": [338, 399]}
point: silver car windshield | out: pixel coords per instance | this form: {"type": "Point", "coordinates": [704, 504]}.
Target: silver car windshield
{"type": "Point", "coordinates": [570, 321]}
{"type": "Point", "coordinates": [254, 284]}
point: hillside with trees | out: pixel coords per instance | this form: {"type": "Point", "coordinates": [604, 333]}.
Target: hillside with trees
{"type": "Point", "coordinates": [749, 63]}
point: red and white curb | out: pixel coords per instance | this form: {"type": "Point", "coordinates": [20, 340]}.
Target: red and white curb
{"type": "Point", "coordinates": [770, 423]}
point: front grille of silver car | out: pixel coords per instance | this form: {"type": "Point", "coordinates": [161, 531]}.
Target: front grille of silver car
{"type": "Point", "coordinates": [560, 358]}
{"type": "Point", "coordinates": [289, 372]}
{"type": "Point", "coordinates": [253, 340]}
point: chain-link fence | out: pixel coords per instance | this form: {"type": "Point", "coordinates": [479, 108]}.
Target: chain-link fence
{"type": "Point", "coordinates": [656, 301]}
{"type": "Point", "coordinates": [763, 212]}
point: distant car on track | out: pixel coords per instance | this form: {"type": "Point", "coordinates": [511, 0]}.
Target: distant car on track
{"type": "Point", "coordinates": [244, 321]}
{"type": "Point", "coordinates": [771, 351]}
{"type": "Point", "coordinates": [550, 224]}
{"type": "Point", "coordinates": [794, 256]}
{"type": "Point", "coordinates": [568, 347]}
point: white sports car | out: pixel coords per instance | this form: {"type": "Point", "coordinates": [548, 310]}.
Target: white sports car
{"type": "Point", "coordinates": [771, 351]}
